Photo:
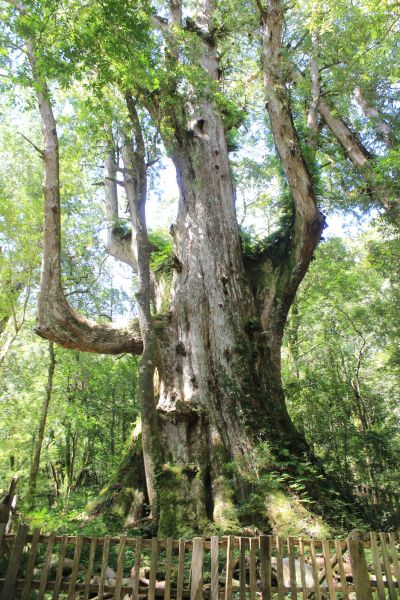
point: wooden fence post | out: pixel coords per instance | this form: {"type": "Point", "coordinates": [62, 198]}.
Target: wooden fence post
{"type": "Point", "coordinates": [359, 566]}
{"type": "Point", "coordinates": [13, 564]}
{"type": "Point", "coordinates": [196, 583]}
{"type": "Point", "coordinates": [229, 567]}
{"type": "Point", "coordinates": [214, 567]}
{"type": "Point", "coordinates": [265, 567]}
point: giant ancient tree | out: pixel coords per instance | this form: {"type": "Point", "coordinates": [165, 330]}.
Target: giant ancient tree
{"type": "Point", "coordinates": [210, 383]}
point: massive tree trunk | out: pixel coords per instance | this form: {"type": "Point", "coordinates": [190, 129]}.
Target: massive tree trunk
{"type": "Point", "coordinates": [220, 392]}
{"type": "Point", "coordinates": [217, 352]}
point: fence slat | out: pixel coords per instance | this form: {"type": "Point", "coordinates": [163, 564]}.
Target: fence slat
{"type": "Point", "coordinates": [279, 568]}
{"type": "Point", "coordinates": [253, 568]}
{"type": "Point", "coordinates": [88, 577]}
{"type": "Point", "coordinates": [136, 569]}
{"type": "Point", "coordinates": [120, 567]}
{"type": "Point", "coordinates": [328, 569]}
{"type": "Point", "coordinates": [60, 567]}
{"type": "Point", "coordinates": [377, 566]}
{"type": "Point", "coordinates": [315, 571]}
{"type": "Point", "coordinates": [181, 569]}
{"type": "Point", "coordinates": [292, 569]}
{"type": "Point", "coordinates": [31, 565]}
{"type": "Point", "coordinates": [13, 564]}
{"type": "Point", "coordinates": [168, 562]}
{"type": "Point", "coordinates": [151, 594]}
{"type": "Point", "coordinates": [342, 574]}
{"type": "Point", "coordinates": [2, 535]}
{"type": "Point", "coordinates": [196, 583]}
{"type": "Point", "coordinates": [386, 565]}
{"type": "Point", "coordinates": [104, 565]}
{"type": "Point", "coordinates": [214, 567]}
{"type": "Point", "coordinates": [229, 567]}
{"type": "Point", "coordinates": [75, 568]}
{"type": "Point", "coordinates": [242, 567]}
{"type": "Point", "coordinates": [359, 567]}
{"type": "Point", "coordinates": [46, 567]}
{"type": "Point", "coordinates": [265, 567]}
{"type": "Point", "coordinates": [303, 569]}
{"type": "Point", "coordinates": [395, 560]}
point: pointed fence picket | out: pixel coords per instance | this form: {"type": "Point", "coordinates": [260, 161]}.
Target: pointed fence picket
{"type": "Point", "coordinates": [37, 566]}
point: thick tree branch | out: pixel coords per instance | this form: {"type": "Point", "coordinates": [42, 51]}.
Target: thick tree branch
{"type": "Point", "coordinates": [380, 126]}
{"type": "Point", "coordinates": [362, 160]}
{"type": "Point", "coordinates": [307, 226]}
{"type": "Point", "coordinates": [357, 153]}
{"type": "Point", "coordinates": [56, 319]}
{"type": "Point", "coordinates": [159, 23]}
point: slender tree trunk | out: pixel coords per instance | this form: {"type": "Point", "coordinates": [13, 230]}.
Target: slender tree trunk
{"type": "Point", "coordinates": [42, 424]}
{"type": "Point", "coordinates": [135, 179]}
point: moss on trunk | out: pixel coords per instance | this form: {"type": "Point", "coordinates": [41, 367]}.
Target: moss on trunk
{"type": "Point", "coordinates": [125, 498]}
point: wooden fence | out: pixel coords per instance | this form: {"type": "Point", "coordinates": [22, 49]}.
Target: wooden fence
{"type": "Point", "coordinates": [36, 566]}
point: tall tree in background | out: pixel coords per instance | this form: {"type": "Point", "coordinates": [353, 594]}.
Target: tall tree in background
{"type": "Point", "coordinates": [214, 349]}
{"type": "Point", "coordinates": [42, 424]}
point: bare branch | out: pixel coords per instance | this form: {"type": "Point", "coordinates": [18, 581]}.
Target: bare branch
{"type": "Point", "coordinates": [115, 180]}
{"type": "Point", "coordinates": [117, 246]}
{"type": "Point", "coordinates": [150, 163]}
{"type": "Point", "coordinates": [41, 153]}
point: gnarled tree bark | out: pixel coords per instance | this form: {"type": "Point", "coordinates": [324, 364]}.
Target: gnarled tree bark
{"type": "Point", "coordinates": [217, 353]}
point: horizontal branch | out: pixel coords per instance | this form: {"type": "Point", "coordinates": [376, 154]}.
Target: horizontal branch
{"type": "Point", "coordinates": [58, 322]}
